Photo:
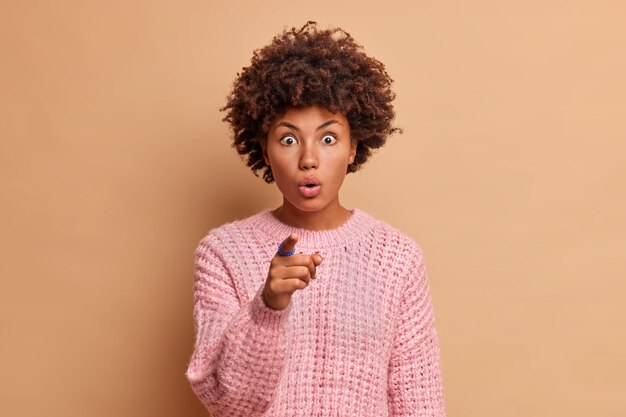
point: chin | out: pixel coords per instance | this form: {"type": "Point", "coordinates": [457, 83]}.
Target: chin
{"type": "Point", "coordinates": [308, 204]}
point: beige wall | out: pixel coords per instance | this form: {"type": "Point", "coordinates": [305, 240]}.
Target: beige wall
{"type": "Point", "coordinates": [114, 162]}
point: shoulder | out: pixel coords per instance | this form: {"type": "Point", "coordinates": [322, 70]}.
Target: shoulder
{"type": "Point", "coordinates": [397, 238]}
{"type": "Point", "coordinates": [404, 250]}
{"type": "Point", "coordinates": [227, 235]}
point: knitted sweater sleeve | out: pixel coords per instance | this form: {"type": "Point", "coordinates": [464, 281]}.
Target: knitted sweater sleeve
{"type": "Point", "coordinates": [415, 382]}
{"type": "Point", "coordinates": [239, 349]}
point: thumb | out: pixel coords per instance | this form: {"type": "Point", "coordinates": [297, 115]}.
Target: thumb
{"type": "Point", "coordinates": [317, 258]}
{"type": "Point", "coordinates": [289, 243]}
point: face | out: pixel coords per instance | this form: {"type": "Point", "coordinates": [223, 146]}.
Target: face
{"type": "Point", "coordinates": [309, 142]}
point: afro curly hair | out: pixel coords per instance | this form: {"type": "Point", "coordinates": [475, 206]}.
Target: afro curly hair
{"type": "Point", "coordinates": [308, 67]}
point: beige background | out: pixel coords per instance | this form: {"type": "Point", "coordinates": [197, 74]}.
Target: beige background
{"type": "Point", "coordinates": [114, 162]}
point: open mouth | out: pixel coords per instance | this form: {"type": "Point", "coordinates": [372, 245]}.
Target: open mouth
{"type": "Point", "coordinates": [309, 190]}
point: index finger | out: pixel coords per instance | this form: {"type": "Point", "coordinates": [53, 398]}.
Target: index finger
{"type": "Point", "coordinates": [289, 243]}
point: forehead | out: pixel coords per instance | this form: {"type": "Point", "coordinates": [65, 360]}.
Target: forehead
{"type": "Point", "coordinates": [309, 114]}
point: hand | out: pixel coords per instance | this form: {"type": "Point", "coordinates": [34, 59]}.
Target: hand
{"type": "Point", "coordinates": [288, 274]}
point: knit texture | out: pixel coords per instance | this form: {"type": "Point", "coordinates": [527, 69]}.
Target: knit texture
{"type": "Point", "coordinates": [359, 340]}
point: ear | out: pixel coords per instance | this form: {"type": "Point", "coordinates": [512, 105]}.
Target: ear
{"type": "Point", "coordinates": [353, 145]}
{"type": "Point", "coordinates": [263, 142]}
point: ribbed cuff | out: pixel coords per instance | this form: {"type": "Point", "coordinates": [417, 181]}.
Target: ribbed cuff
{"type": "Point", "coordinates": [266, 316]}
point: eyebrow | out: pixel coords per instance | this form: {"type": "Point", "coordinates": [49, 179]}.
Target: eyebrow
{"type": "Point", "coordinates": [323, 125]}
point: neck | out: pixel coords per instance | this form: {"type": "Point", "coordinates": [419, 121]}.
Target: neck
{"type": "Point", "coordinates": [329, 217]}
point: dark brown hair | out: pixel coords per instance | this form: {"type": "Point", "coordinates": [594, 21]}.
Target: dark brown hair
{"type": "Point", "coordinates": [310, 67]}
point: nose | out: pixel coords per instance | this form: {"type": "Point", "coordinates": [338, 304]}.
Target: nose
{"type": "Point", "coordinates": [308, 158]}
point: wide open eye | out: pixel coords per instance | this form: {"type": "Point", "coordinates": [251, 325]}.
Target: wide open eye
{"type": "Point", "coordinates": [329, 136]}
{"type": "Point", "coordinates": [288, 137]}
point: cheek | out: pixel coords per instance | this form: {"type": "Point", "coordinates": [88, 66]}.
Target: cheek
{"type": "Point", "coordinates": [282, 162]}
{"type": "Point", "coordinates": [338, 165]}
{"type": "Point", "coordinates": [282, 170]}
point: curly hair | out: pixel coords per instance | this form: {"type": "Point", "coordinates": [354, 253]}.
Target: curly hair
{"type": "Point", "coordinates": [308, 67]}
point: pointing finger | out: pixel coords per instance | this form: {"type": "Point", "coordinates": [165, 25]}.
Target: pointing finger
{"type": "Point", "coordinates": [289, 243]}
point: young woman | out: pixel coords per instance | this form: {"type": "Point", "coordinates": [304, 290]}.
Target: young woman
{"type": "Point", "coordinates": [312, 309]}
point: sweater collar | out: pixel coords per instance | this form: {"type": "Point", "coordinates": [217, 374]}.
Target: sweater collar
{"type": "Point", "coordinates": [357, 225]}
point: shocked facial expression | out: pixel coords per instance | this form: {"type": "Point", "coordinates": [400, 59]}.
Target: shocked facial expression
{"type": "Point", "coordinates": [309, 145]}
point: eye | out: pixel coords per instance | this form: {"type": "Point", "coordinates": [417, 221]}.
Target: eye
{"type": "Point", "coordinates": [327, 136]}
{"type": "Point", "coordinates": [287, 137]}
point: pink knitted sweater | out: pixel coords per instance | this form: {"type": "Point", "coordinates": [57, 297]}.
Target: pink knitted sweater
{"type": "Point", "coordinates": [359, 340]}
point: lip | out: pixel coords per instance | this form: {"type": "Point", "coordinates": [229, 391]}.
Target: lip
{"type": "Point", "coordinates": [309, 191]}
{"type": "Point", "coordinates": [309, 180]}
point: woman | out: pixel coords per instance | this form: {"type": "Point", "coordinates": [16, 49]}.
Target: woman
{"type": "Point", "coordinates": [346, 325]}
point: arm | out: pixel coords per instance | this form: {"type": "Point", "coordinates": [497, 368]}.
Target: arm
{"type": "Point", "coordinates": [239, 349]}
{"type": "Point", "coordinates": [415, 381]}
